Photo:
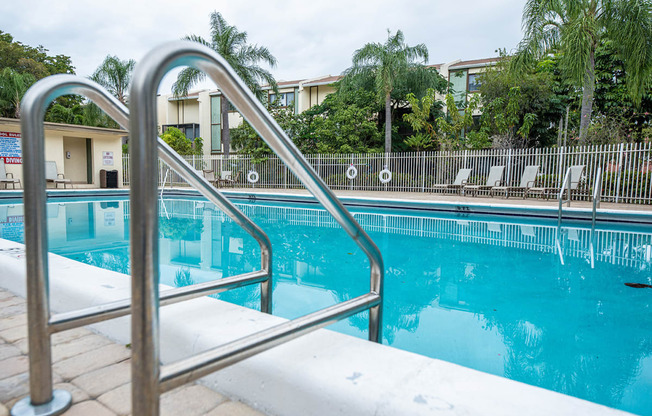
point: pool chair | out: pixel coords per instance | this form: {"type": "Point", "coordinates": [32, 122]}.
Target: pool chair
{"type": "Point", "coordinates": [575, 180]}
{"type": "Point", "coordinates": [51, 175]}
{"type": "Point", "coordinates": [227, 178]}
{"type": "Point", "coordinates": [209, 174]}
{"type": "Point", "coordinates": [495, 178]}
{"type": "Point", "coordinates": [6, 180]}
{"type": "Point", "coordinates": [527, 181]}
{"type": "Point", "coordinates": [460, 180]}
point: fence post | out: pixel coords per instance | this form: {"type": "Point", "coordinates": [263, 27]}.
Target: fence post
{"type": "Point", "coordinates": [559, 166]}
{"type": "Point", "coordinates": [509, 167]}
{"type": "Point", "coordinates": [620, 170]}
{"type": "Point", "coordinates": [423, 172]}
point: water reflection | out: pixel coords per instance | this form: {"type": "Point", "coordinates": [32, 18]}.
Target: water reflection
{"type": "Point", "coordinates": [524, 300]}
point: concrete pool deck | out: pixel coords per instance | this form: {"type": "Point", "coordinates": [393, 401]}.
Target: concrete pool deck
{"type": "Point", "coordinates": [447, 198]}
{"type": "Point", "coordinates": [437, 198]}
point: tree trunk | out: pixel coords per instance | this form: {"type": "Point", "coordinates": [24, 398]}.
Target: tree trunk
{"type": "Point", "coordinates": [588, 90]}
{"type": "Point", "coordinates": [226, 132]}
{"type": "Point", "coordinates": [388, 124]}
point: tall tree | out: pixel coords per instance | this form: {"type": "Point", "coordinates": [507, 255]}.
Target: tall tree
{"type": "Point", "coordinates": [115, 75]}
{"type": "Point", "coordinates": [576, 28]}
{"type": "Point", "coordinates": [388, 64]}
{"type": "Point", "coordinates": [232, 45]}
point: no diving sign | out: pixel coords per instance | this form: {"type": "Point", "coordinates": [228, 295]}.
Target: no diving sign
{"type": "Point", "coordinates": [10, 150]}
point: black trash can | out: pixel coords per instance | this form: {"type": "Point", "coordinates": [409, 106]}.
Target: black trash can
{"type": "Point", "coordinates": [108, 178]}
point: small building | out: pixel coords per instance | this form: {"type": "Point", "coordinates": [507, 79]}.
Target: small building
{"type": "Point", "coordinates": [80, 152]}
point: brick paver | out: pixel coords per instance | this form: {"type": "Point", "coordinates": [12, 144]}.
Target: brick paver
{"type": "Point", "coordinates": [95, 370]}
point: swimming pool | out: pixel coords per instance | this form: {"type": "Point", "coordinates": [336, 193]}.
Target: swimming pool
{"type": "Point", "coordinates": [498, 294]}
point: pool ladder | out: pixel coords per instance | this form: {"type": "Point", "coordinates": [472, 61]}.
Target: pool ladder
{"type": "Point", "coordinates": [149, 378]}
{"type": "Point", "coordinates": [595, 197]}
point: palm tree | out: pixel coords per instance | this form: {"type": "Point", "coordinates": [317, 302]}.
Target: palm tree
{"type": "Point", "coordinates": [388, 64]}
{"type": "Point", "coordinates": [232, 45]}
{"type": "Point", "coordinates": [115, 75]}
{"type": "Point", "coordinates": [13, 86]}
{"type": "Point", "coordinates": [576, 28]}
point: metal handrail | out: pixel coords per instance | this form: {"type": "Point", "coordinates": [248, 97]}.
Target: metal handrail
{"type": "Point", "coordinates": [43, 400]}
{"type": "Point", "coordinates": [597, 192]}
{"type": "Point", "coordinates": [146, 381]}
{"type": "Point", "coordinates": [564, 186]}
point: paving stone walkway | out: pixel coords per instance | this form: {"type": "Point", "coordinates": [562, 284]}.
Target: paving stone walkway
{"type": "Point", "coordinates": [94, 369]}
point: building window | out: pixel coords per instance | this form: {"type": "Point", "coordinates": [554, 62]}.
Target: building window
{"type": "Point", "coordinates": [285, 99]}
{"type": "Point", "coordinates": [216, 124]}
{"type": "Point", "coordinates": [458, 81]}
{"type": "Point", "coordinates": [474, 83]}
{"type": "Point", "coordinates": [191, 130]}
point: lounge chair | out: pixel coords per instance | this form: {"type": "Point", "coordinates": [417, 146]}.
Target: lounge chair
{"type": "Point", "coordinates": [5, 179]}
{"type": "Point", "coordinates": [460, 180]}
{"type": "Point", "coordinates": [227, 178]}
{"type": "Point", "coordinates": [548, 191]}
{"type": "Point", "coordinates": [495, 178]}
{"type": "Point", "coordinates": [51, 175]}
{"type": "Point", "coordinates": [527, 181]}
{"type": "Point", "coordinates": [209, 174]}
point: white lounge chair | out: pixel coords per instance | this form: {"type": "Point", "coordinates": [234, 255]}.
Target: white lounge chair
{"type": "Point", "coordinates": [460, 180]}
{"type": "Point", "coordinates": [495, 178]}
{"type": "Point", "coordinates": [52, 175]}
{"type": "Point", "coordinates": [527, 181]}
{"type": "Point", "coordinates": [548, 191]}
{"type": "Point", "coordinates": [5, 179]}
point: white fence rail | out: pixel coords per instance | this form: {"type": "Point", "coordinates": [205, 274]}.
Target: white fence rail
{"type": "Point", "coordinates": [627, 169]}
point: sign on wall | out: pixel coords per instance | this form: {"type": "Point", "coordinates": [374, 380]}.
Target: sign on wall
{"type": "Point", "coordinates": [107, 158]}
{"type": "Point", "coordinates": [10, 150]}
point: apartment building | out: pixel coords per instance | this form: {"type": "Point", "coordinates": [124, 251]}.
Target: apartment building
{"type": "Point", "coordinates": [198, 113]}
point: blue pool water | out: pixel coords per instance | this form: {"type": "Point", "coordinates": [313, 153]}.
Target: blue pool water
{"type": "Point", "coordinates": [507, 296]}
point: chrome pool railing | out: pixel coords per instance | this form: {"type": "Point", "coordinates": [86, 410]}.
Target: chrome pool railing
{"type": "Point", "coordinates": [149, 379]}
{"type": "Point", "coordinates": [565, 186]}
{"type": "Point", "coordinates": [43, 400]}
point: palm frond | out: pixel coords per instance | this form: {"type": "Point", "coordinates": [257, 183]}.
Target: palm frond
{"type": "Point", "coordinates": [185, 80]}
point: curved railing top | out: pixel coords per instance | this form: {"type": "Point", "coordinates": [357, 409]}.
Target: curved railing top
{"type": "Point", "coordinates": [155, 65]}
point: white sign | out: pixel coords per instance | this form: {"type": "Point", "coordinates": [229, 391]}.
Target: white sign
{"type": "Point", "coordinates": [107, 158]}
{"type": "Point", "coordinates": [10, 151]}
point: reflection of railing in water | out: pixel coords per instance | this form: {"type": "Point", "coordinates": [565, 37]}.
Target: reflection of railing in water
{"type": "Point", "coordinates": [623, 248]}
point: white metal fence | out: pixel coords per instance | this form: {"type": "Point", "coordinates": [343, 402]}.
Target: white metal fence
{"type": "Point", "coordinates": [627, 169]}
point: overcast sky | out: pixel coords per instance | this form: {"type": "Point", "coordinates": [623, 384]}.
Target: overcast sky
{"type": "Point", "coordinates": [309, 38]}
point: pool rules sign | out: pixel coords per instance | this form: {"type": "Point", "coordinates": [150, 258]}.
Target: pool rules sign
{"type": "Point", "coordinates": [10, 151]}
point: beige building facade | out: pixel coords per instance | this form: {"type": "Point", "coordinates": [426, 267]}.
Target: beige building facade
{"type": "Point", "coordinates": [80, 152]}
{"type": "Point", "coordinates": [198, 113]}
